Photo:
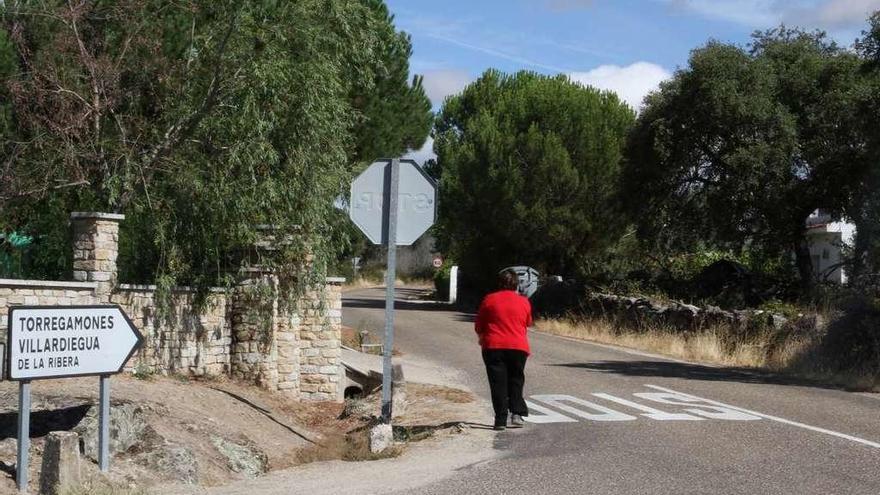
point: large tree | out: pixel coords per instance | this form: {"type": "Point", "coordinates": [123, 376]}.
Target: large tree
{"type": "Point", "coordinates": [528, 165]}
{"type": "Point", "coordinates": [866, 204]}
{"type": "Point", "coordinates": [744, 143]}
{"type": "Point", "coordinates": [197, 119]}
{"type": "Point", "coordinates": [396, 113]}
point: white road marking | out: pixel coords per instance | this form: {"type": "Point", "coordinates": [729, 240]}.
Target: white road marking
{"type": "Point", "coordinates": [724, 413]}
{"type": "Point", "coordinates": [650, 412]}
{"type": "Point", "coordinates": [772, 418]}
{"type": "Point", "coordinates": [546, 416]}
{"type": "Point", "coordinates": [604, 414]}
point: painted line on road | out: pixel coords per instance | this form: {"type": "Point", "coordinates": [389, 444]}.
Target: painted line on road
{"type": "Point", "coordinates": [773, 418]}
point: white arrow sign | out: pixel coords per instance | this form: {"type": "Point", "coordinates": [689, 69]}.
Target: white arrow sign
{"type": "Point", "coordinates": [63, 341]}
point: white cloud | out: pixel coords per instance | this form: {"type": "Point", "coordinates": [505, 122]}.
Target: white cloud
{"type": "Point", "coordinates": [844, 13]}
{"type": "Point", "coordinates": [442, 83]}
{"type": "Point", "coordinates": [825, 14]}
{"type": "Point", "coordinates": [748, 12]}
{"type": "Point", "coordinates": [631, 83]}
{"type": "Point", "coordinates": [423, 154]}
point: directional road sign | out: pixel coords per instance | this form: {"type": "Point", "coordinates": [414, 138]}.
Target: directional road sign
{"type": "Point", "coordinates": [416, 202]}
{"type": "Point", "coordinates": [62, 341]}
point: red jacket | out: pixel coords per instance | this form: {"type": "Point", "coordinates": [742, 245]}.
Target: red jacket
{"type": "Point", "coordinates": [502, 321]}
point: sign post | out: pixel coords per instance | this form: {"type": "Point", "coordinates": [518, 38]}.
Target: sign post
{"type": "Point", "coordinates": [24, 434]}
{"type": "Point", "coordinates": [104, 425]}
{"type": "Point", "coordinates": [390, 277]}
{"type": "Point", "coordinates": [393, 202]}
{"type": "Point", "coordinates": [66, 341]}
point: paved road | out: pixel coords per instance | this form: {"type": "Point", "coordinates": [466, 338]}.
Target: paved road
{"type": "Point", "coordinates": [614, 422]}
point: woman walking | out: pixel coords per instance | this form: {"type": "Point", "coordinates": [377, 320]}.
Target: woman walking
{"type": "Point", "coordinates": [501, 325]}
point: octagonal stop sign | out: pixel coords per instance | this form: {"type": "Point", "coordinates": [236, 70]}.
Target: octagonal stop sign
{"type": "Point", "coordinates": [416, 201]}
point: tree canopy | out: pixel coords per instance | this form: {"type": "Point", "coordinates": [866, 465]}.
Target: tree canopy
{"type": "Point", "coordinates": [198, 120]}
{"type": "Point", "coordinates": [743, 144]}
{"type": "Point", "coordinates": [867, 200]}
{"type": "Point", "coordinates": [528, 165]}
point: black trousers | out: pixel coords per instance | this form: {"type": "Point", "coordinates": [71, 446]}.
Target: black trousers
{"type": "Point", "coordinates": [506, 379]}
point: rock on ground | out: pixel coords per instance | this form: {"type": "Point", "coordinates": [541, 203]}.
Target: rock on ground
{"type": "Point", "coordinates": [128, 426]}
{"type": "Point", "coordinates": [242, 458]}
{"type": "Point", "coordinates": [381, 437]}
{"type": "Point", "coordinates": [175, 461]}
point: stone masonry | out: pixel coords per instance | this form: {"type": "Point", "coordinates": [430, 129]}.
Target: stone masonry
{"type": "Point", "coordinates": [37, 292]}
{"type": "Point", "coordinates": [254, 326]}
{"type": "Point", "coordinates": [95, 248]}
{"type": "Point", "coordinates": [320, 345]}
{"type": "Point", "coordinates": [180, 339]}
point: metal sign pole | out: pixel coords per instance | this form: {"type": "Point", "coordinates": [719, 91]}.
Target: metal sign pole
{"type": "Point", "coordinates": [104, 425]}
{"type": "Point", "coordinates": [24, 432]}
{"type": "Point", "coordinates": [392, 182]}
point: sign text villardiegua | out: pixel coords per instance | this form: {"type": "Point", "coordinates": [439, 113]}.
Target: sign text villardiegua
{"type": "Point", "coordinates": [50, 342]}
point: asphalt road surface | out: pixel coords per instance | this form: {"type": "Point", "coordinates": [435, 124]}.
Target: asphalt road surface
{"type": "Point", "coordinates": [609, 421]}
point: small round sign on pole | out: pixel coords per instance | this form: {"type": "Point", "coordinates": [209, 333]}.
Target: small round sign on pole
{"type": "Point", "coordinates": [438, 262]}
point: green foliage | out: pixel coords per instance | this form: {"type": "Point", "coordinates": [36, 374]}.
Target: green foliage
{"type": "Point", "coordinates": [740, 146]}
{"type": "Point", "coordinates": [786, 309]}
{"type": "Point", "coordinates": [7, 67]}
{"type": "Point", "coordinates": [853, 342]}
{"type": "Point", "coordinates": [200, 120]}
{"type": "Point", "coordinates": [866, 210]}
{"type": "Point", "coordinates": [396, 114]}
{"type": "Point", "coordinates": [528, 166]}
{"type": "Point", "coordinates": [441, 281]}
{"type": "Point", "coordinates": [868, 45]}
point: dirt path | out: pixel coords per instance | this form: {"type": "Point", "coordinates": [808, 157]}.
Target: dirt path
{"type": "Point", "coordinates": [422, 464]}
{"type": "Point", "coordinates": [177, 427]}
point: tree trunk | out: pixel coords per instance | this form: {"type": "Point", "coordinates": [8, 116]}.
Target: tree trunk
{"type": "Point", "coordinates": [860, 249]}
{"type": "Point", "coordinates": [804, 264]}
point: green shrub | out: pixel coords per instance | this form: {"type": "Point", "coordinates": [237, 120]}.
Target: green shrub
{"type": "Point", "coordinates": [853, 339]}
{"type": "Point", "coordinates": [441, 281]}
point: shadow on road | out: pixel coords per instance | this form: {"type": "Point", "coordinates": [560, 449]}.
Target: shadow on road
{"type": "Point", "coordinates": [669, 369]}
{"type": "Point", "coordinates": [370, 303]}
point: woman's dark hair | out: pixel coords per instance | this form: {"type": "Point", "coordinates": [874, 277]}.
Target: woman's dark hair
{"type": "Point", "coordinates": [508, 280]}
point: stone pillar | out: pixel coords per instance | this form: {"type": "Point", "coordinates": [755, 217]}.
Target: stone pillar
{"type": "Point", "coordinates": [60, 462]}
{"type": "Point", "coordinates": [95, 249]}
{"type": "Point", "coordinates": [254, 354]}
{"type": "Point", "coordinates": [288, 324]}
{"type": "Point", "coordinates": [321, 343]}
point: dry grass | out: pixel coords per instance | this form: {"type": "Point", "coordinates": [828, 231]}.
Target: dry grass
{"type": "Point", "coordinates": [369, 283]}
{"type": "Point", "coordinates": [353, 447]}
{"type": "Point", "coordinates": [711, 346]}
{"type": "Point", "coordinates": [798, 357]}
{"type": "Point", "coordinates": [418, 391]}
{"type": "Point", "coordinates": [97, 485]}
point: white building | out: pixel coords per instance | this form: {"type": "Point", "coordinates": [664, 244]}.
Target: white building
{"type": "Point", "coordinates": [829, 239]}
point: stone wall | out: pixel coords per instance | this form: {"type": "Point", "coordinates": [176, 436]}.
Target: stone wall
{"type": "Point", "coordinates": [244, 332]}
{"type": "Point", "coordinates": [642, 312]}
{"type": "Point", "coordinates": [179, 339]}
{"type": "Point", "coordinates": [38, 292]}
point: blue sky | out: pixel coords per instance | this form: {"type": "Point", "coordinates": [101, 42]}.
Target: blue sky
{"type": "Point", "coordinates": [628, 46]}
{"type": "Point", "coordinates": [456, 40]}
